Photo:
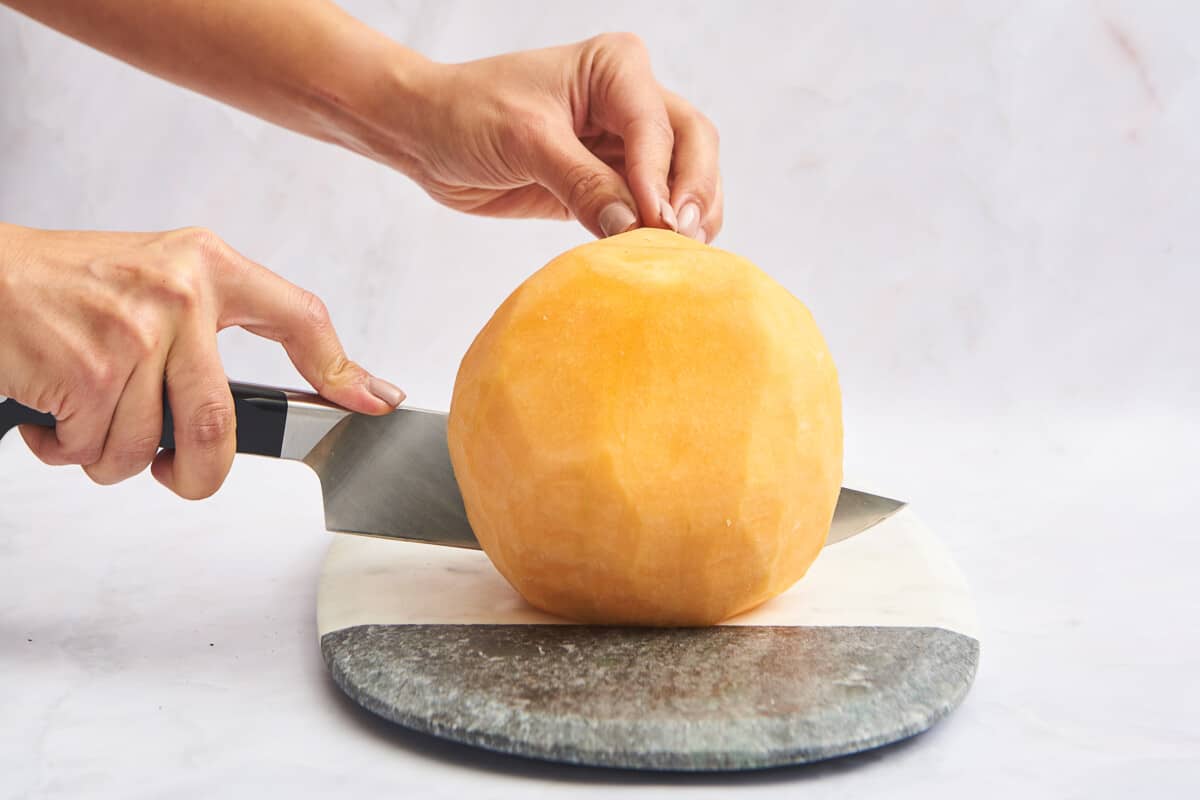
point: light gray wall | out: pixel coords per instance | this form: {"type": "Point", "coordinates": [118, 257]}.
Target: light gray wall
{"type": "Point", "coordinates": [992, 212]}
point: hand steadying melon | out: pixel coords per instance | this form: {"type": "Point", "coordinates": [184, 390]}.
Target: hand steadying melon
{"type": "Point", "coordinates": [649, 432]}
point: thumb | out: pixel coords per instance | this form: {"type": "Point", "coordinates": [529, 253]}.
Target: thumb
{"type": "Point", "coordinates": [269, 306]}
{"type": "Point", "coordinates": [593, 191]}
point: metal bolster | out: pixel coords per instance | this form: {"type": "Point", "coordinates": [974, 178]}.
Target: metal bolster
{"type": "Point", "coordinates": [309, 418]}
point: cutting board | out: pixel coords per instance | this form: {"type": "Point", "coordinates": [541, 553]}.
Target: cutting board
{"type": "Point", "coordinates": [877, 643]}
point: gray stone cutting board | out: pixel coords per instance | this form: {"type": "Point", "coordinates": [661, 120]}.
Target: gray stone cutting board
{"type": "Point", "coordinates": [877, 643]}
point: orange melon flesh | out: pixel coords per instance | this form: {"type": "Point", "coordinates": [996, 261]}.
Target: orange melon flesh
{"type": "Point", "coordinates": [648, 432]}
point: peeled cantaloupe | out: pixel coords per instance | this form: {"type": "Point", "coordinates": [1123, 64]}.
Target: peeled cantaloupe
{"type": "Point", "coordinates": [648, 432]}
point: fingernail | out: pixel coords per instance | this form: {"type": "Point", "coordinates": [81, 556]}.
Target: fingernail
{"type": "Point", "coordinates": [668, 215]}
{"type": "Point", "coordinates": [392, 395]}
{"type": "Point", "coordinates": [689, 219]}
{"type": "Point", "coordinates": [700, 235]}
{"type": "Point", "coordinates": [616, 218]}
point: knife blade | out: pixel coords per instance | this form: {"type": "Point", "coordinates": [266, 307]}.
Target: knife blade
{"type": "Point", "coordinates": [388, 476]}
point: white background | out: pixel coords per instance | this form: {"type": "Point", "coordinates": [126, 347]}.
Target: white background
{"type": "Point", "coordinates": [993, 211]}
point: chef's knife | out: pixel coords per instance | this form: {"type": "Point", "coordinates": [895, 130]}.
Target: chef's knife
{"type": "Point", "coordinates": [387, 476]}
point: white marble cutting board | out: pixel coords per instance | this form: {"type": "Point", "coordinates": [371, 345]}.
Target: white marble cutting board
{"type": "Point", "coordinates": [875, 644]}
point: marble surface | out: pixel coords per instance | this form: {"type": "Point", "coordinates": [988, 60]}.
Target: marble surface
{"type": "Point", "coordinates": [875, 644]}
{"type": "Point", "coordinates": [991, 210]}
{"type": "Point", "coordinates": [897, 573]}
{"type": "Point", "coordinates": [720, 699]}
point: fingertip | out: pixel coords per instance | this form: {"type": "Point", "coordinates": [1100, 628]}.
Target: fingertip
{"type": "Point", "coordinates": [689, 219]}
{"type": "Point", "coordinates": [99, 478]}
{"type": "Point", "coordinates": [649, 144]}
{"type": "Point", "coordinates": [652, 208]}
{"type": "Point", "coordinates": [667, 215]}
{"type": "Point", "coordinates": [696, 171]}
{"type": "Point", "coordinates": [363, 401]}
{"type": "Point", "coordinates": [370, 395]}
{"type": "Point", "coordinates": [699, 217]}
{"type": "Point", "coordinates": [388, 393]}
{"type": "Point", "coordinates": [588, 187]}
{"type": "Point", "coordinates": [163, 469]}
{"type": "Point", "coordinates": [616, 218]}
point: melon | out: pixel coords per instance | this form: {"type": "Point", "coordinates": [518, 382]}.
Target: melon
{"type": "Point", "coordinates": [648, 432]}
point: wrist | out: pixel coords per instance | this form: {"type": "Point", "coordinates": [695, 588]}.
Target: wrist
{"type": "Point", "coordinates": [411, 88]}
{"type": "Point", "coordinates": [378, 114]}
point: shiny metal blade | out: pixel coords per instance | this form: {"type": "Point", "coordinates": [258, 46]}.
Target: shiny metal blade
{"type": "Point", "coordinates": [857, 511]}
{"type": "Point", "coordinates": [391, 476]}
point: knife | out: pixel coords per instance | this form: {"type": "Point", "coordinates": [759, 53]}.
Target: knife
{"type": "Point", "coordinates": [387, 476]}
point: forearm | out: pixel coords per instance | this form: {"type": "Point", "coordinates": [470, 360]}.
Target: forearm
{"type": "Point", "coordinates": [303, 64]}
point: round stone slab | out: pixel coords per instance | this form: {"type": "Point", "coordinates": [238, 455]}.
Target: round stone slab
{"type": "Point", "coordinates": [724, 698]}
{"type": "Point", "coordinates": [433, 639]}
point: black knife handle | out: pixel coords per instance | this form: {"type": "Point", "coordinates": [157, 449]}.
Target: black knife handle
{"type": "Point", "coordinates": [261, 419]}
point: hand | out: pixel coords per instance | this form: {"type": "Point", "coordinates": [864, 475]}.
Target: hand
{"type": "Point", "coordinates": [583, 130]}
{"type": "Point", "coordinates": [95, 323]}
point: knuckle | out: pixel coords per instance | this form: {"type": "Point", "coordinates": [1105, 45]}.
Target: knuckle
{"type": "Point", "coordinates": [182, 283]}
{"type": "Point", "coordinates": [188, 277]}
{"type": "Point", "coordinates": [124, 270]}
{"type": "Point", "coordinates": [583, 183]}
{"type": "Point", "coordinates": [97, 375]}
{"type": "Point", "coordinates": [85, 455]}
{"type": "Point", "coordinates": [621, 40]}
{"type": "Point", "coordinates": [131, 457]}
{"type": "Point", "coordinates": [141, 336]}
{"type": "Point", "coordinates": [313, 311]}
{"type": "Point", "coordinates": [123, 462]}
{"type": "Point", "coordinates": [183, 288]}
{"type": "Point", "coordinates": [339, 370]}
{"type": "Point", "coordinates": [199, 240]}
{"type": "Point", "coordinates": [654, 130]}
{"type": "Point", "coordinates": [146, 340]}
{"type": "Point", "coordinates": [659, 129]}
{"type": "Point", "coordinates": [211, 423]}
